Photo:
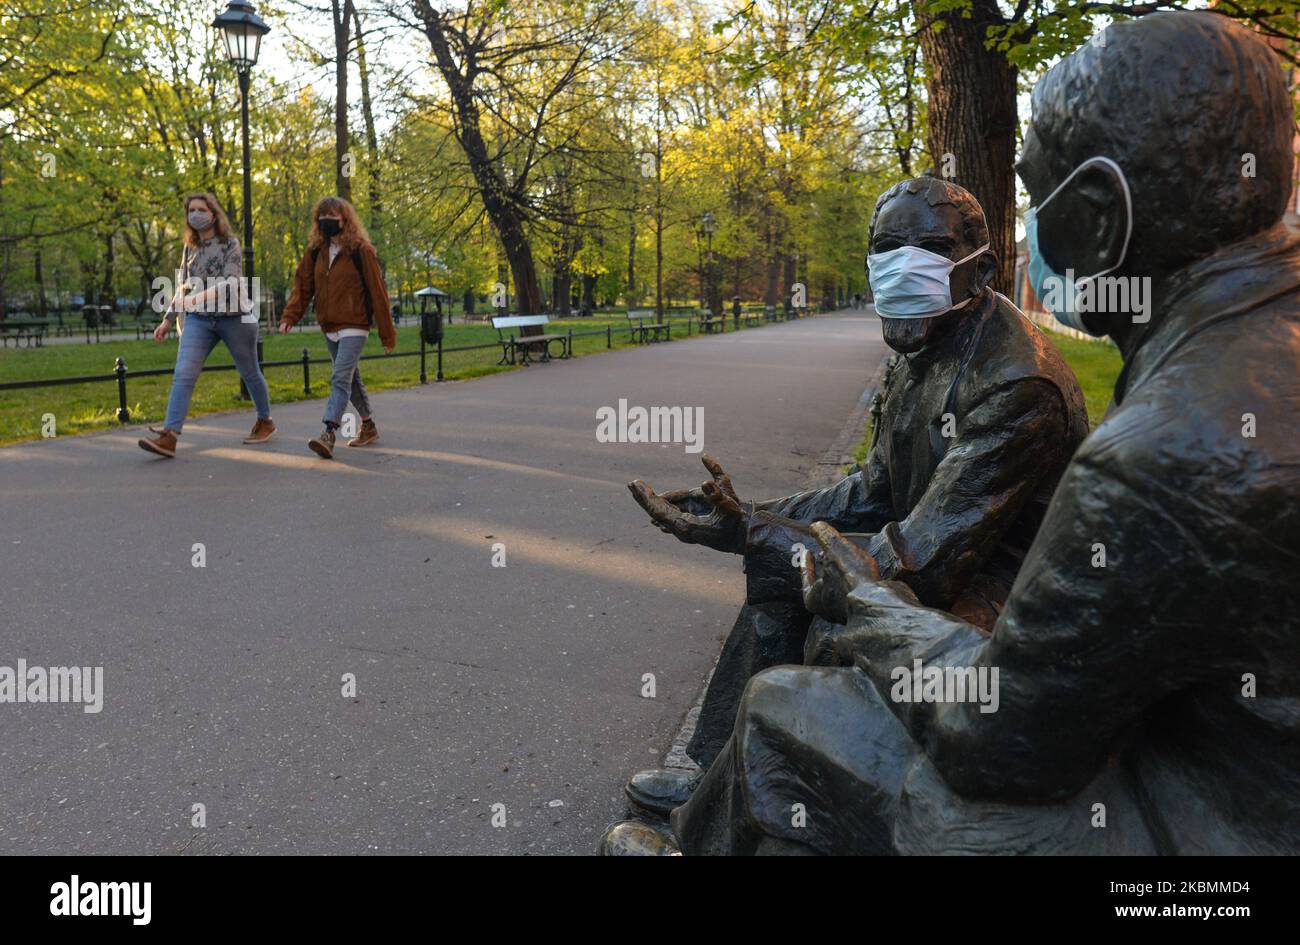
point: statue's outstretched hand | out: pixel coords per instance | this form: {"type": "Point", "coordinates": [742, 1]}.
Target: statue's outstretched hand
{"type": "Point", "coordinates": [831, 572]}
{"type": "Point", "coordinates": [712, 515]}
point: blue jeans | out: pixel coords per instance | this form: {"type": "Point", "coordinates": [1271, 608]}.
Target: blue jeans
{"type": "Point", "coordinates": [346, 355]}
{"type": "Point", "coordinates": [202, 332]}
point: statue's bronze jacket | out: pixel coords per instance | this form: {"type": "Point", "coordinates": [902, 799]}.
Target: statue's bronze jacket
{"type": "Point", "coordinates": [973, 436]}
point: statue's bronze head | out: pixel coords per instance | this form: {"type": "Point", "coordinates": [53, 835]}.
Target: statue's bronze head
{"type": "Point", "coordinates": [1195, 111]}
{"type": "Point", "coordinates": [945, 219]}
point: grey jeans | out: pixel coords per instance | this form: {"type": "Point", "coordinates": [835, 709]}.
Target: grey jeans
{"type": "Point", "coordinates": [202, 332]}
{"type": "Point", "coordinates": [346, 384]}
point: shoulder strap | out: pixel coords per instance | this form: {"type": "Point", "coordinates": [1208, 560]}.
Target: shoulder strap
{"type": "Point", "coordinates": [315, 254]}
{"type": "Point", "coordinates": [365, 289]}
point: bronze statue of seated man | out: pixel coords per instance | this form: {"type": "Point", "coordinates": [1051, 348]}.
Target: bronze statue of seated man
{"type": "Point", "coordinates": [979, 416]}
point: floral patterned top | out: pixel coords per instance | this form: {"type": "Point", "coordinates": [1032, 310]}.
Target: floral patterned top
{"type": "Point", "coordinates": [212, 260]}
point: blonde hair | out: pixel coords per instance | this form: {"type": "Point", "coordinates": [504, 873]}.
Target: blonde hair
{"type": "Point", "coordinates": [220, 222]}
{"type": "Point", "coordinates": [353, 233]}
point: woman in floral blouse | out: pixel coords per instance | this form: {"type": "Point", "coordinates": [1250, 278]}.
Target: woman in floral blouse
{"type": "Point", "coordinates": [216, 308]}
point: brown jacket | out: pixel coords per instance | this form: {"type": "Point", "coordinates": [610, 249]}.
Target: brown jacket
{"type": "Point", "coordinates": [337, 290]}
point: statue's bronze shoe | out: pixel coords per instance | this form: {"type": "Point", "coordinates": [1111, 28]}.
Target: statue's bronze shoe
{"type": "Point", "coordinates": [634, 838]}
{"type": "Point", "coordinates": [659, 790]}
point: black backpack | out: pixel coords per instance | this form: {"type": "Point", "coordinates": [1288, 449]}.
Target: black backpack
{"type": "Point", "coordinates": [365, 289]}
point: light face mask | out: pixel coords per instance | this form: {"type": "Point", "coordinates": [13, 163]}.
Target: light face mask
{"type": "Point", "coordinates": [200, 220]}
{"type": "Point", "coordinates": [911, 282]}
{"type": "Point", "coordinates": [1057, 293]}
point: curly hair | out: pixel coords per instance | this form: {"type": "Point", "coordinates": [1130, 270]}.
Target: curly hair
{"type": "Point", "coordinates": [220, 222]}
{"type": "Point", "coordinates": [353, 235]}
{"type": "Point", "coordinates": [975, 228]}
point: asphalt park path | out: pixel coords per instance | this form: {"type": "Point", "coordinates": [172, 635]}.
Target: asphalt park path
{"type": "Point", "coordinates": [475, 685]}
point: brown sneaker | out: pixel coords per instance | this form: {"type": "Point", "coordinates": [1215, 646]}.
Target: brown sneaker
{"type": "Point", "coordinates": [262, 431]}
{"type": "Point", "coordinates": [367, 435]}
{"type": "Point", "coordinates": [164, 444]}
{"type": "Point", "coordinates": [323, 445]}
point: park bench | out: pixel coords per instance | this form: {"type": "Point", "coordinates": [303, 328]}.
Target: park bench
{"type": "Point", "coordinates": [752, 318]}
{"type": "Point", "coordinates": [33, 333]}
{"type": "Point", "coordinates": [644, 331]}
{"type": "Point", "coordinates": [709, 323]}
{"type": "Point", "coordinates": [532, 338]}
{"type": "Point", "coordinates": [145, 324]}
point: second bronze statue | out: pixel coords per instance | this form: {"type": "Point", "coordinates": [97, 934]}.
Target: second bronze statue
{"type": "Point", "coordinates": [979, 417]}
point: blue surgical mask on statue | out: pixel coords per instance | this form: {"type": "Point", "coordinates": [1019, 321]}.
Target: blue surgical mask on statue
{"type": "Point", "coordinates": [1058, 292]}
{"type": "Point", "coordinates": [911, 282]}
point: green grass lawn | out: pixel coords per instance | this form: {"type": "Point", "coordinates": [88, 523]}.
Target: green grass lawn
{"type": "Point", "coordinates": [84, 407]}
{"type": "Point", "coordinates": [1095, 363]}
{"type": "Point", "coordinates": [80, 408]}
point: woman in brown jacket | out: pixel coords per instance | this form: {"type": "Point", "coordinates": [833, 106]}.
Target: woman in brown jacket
{"type": "Point", "coordinates": [340, 271]}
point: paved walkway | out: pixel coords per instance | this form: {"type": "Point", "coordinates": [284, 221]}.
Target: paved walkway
{"type": "Point", "coordinates": [475, 686]}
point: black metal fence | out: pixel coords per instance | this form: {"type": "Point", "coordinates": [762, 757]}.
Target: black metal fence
{"type": "Point", "coordinates": [120, 371]}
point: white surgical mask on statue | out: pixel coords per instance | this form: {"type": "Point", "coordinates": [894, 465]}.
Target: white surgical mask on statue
{"type": "Point", "coordinates": [1055, 291]}
{"type": "Point", "coordinates": [911, 282]}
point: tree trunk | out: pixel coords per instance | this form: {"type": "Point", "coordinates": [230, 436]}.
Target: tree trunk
{"type": "Point", "coordinates": [372, 138]}
{"type": "Point", "coordinates": [42, 307]}
{"type": "Point", "coordinates": [523, 270]}
{"type": "Point", "coordinates": [659, 213]}
{"type": "Point", "coordinates": [563, 288]}
{"type": "Point", "coordinates": [342, 37]}
{"type": "Point", "coordinates": [6, 250]}
{"type": "Point", "coordinates": [499, 201]}
{"type": "Point", "coordinates": [787, 280]}
{"type": "Point", "coordinates": [631, 260]}
{"type": "Point", "coordinates": [715, 284]}
{"type": "Point", "coordinates": [702, 293]}
{"type": "Point", "coordinates": [659, 265]}
{"type": "Point", "coordinates": [773, 291]}
{"type": "Point", "coordinates": [973, 120]}
{"type": "Point", "coordinates": [107, 295]}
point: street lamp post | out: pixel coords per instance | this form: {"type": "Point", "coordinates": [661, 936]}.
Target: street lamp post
{"type": "Point", "coordinates": [709, 224]}
{"type": "Point", "coordinates": [699, 269]}
{"type": "Point", "coordinates": [242, 29]}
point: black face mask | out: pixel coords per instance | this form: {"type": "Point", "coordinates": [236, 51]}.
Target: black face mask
{"type": "Point", "coordinates": [329, 227]}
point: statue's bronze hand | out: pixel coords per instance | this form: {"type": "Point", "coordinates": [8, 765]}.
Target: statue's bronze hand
{"type": "Point", "coordinates": [712, 515]}
{"type": "Point", "coordinates": [831, 572]}
{"type": "Point", "coordinates": [692, 501]}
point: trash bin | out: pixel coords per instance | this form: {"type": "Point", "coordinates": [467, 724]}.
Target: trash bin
{"type": "Point", "coordinates": [431, 327]}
